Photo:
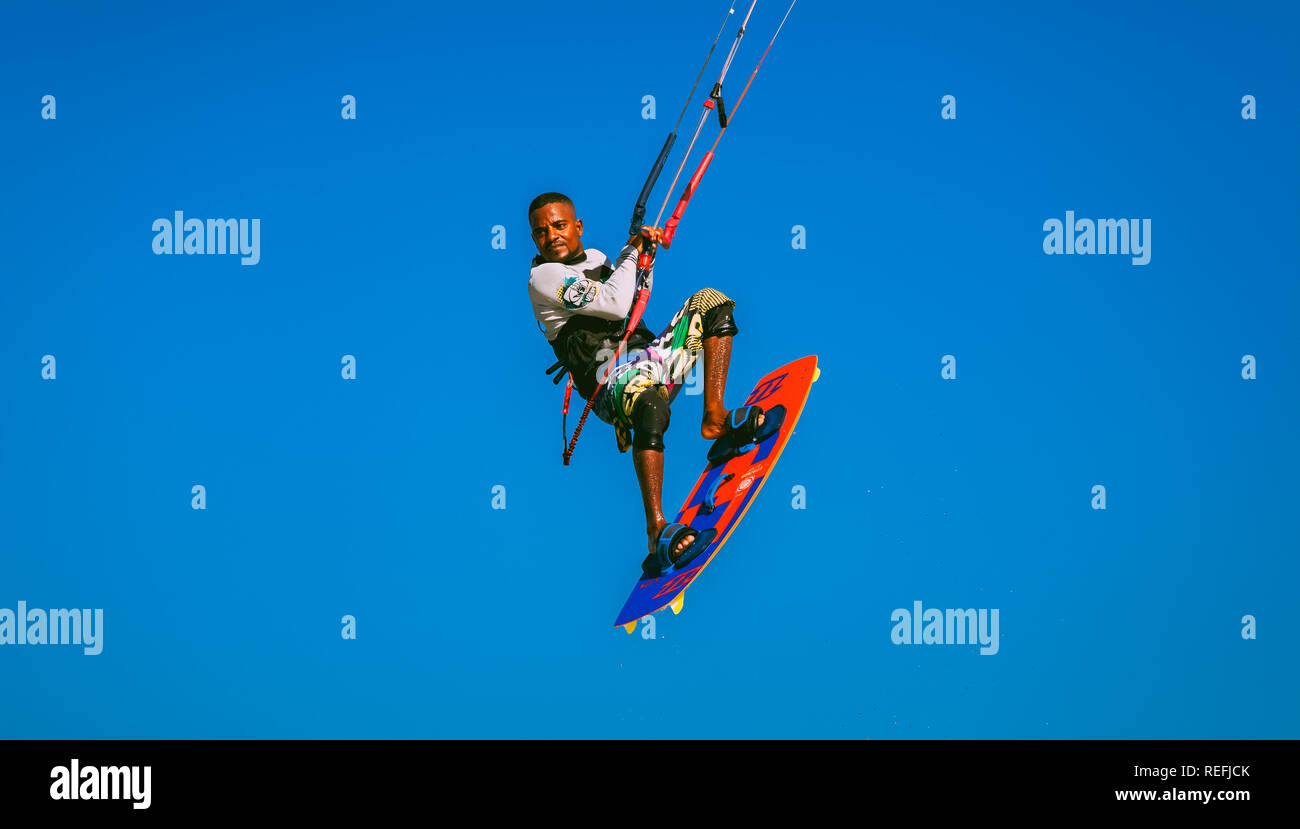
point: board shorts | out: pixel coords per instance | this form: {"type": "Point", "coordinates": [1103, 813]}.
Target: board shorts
{"type": "Point", "coordinates": [662, 365]}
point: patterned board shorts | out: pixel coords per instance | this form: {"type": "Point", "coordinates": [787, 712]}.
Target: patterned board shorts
{"type": "Point", "coordinates": [659, 368]}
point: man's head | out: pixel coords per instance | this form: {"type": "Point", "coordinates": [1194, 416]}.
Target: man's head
{"type": "Point", "coordinates": [556, 229]}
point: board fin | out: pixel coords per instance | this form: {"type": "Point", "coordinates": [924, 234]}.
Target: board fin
{"type": "Point", "coordinates": [630, 627]}
{"type": "Point", "coordinates": [677, 603]}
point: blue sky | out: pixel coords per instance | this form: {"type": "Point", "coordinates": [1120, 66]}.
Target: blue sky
{"type": "Point", "coordinates": [373, 497]}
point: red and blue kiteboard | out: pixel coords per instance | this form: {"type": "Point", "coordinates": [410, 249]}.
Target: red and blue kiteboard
{"type": "Point", "coordinates": [728, 486]}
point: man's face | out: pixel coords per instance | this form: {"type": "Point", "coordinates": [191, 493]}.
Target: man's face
{"type": "Point", "coordinates": [556, 232]}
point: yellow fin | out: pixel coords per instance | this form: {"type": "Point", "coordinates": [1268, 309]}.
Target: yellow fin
{"type": "Point", "coordinates": [817, 372]}
{"type": "Point", "coordinates": [676, 605]}
{"type": "Point", "coordinates": [630, 627]}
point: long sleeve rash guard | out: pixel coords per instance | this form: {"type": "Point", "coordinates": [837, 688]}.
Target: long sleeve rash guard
{"type": "Point", "coordinates": [560, 290]}
{"type": "Point", "coordinates": [583, 305]}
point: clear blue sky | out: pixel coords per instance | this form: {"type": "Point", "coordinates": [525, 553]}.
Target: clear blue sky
{"type": "Point", "coordinates": [373, 497]}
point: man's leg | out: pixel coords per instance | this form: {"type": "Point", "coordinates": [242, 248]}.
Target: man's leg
{"type": "Point", "coordinates": [649, 465]}
{"type": "Point", "coordinates": [650, 412]}
{"type": "Point", "coordinates": [650, 415]}
{"type": "Point", "coordinates": [717, 357]}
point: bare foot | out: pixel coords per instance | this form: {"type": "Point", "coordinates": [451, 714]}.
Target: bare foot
{"type": "Point", "coordinates": [715, 424]}
{"type": "Point", "coordinates": [675, 553]}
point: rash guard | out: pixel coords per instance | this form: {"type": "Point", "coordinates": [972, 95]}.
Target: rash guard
{"type": "Point", "coordinates": [583, 305]}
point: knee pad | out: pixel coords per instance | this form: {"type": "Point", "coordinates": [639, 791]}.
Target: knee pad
{"type": "Point", "coordinates": [719, 322]}
{"type": "Point", "coordinates": [650, 416]}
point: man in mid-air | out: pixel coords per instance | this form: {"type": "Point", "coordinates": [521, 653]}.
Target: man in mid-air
{"type": "Point", "coordinates": [582, 302]}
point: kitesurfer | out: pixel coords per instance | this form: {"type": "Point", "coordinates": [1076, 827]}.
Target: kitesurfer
{"type": "Point", "coordinates": [582, 302]}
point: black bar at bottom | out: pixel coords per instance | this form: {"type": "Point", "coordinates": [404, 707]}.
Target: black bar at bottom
{"type": "Point", "coordinates": [332, 778]}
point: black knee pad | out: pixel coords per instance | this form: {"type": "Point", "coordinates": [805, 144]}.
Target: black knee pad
{"type": "Point", "coordinates": [650, 416]}
{"type": "Point", "coordinates": [719, 322]}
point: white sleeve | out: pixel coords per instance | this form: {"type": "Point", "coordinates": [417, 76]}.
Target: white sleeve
{"type": "Point", "coordinates": [557, 285]}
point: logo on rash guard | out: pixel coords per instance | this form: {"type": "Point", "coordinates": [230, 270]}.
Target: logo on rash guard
{"type": "Point", "coordinates": [578, 291]}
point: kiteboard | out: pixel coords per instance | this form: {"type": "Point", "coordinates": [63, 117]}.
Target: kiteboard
{"type": "Point", "coordinates": [729, 484]}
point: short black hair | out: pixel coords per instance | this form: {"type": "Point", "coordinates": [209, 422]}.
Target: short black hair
{"type": "Point", "coordinates": [549, 198]}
